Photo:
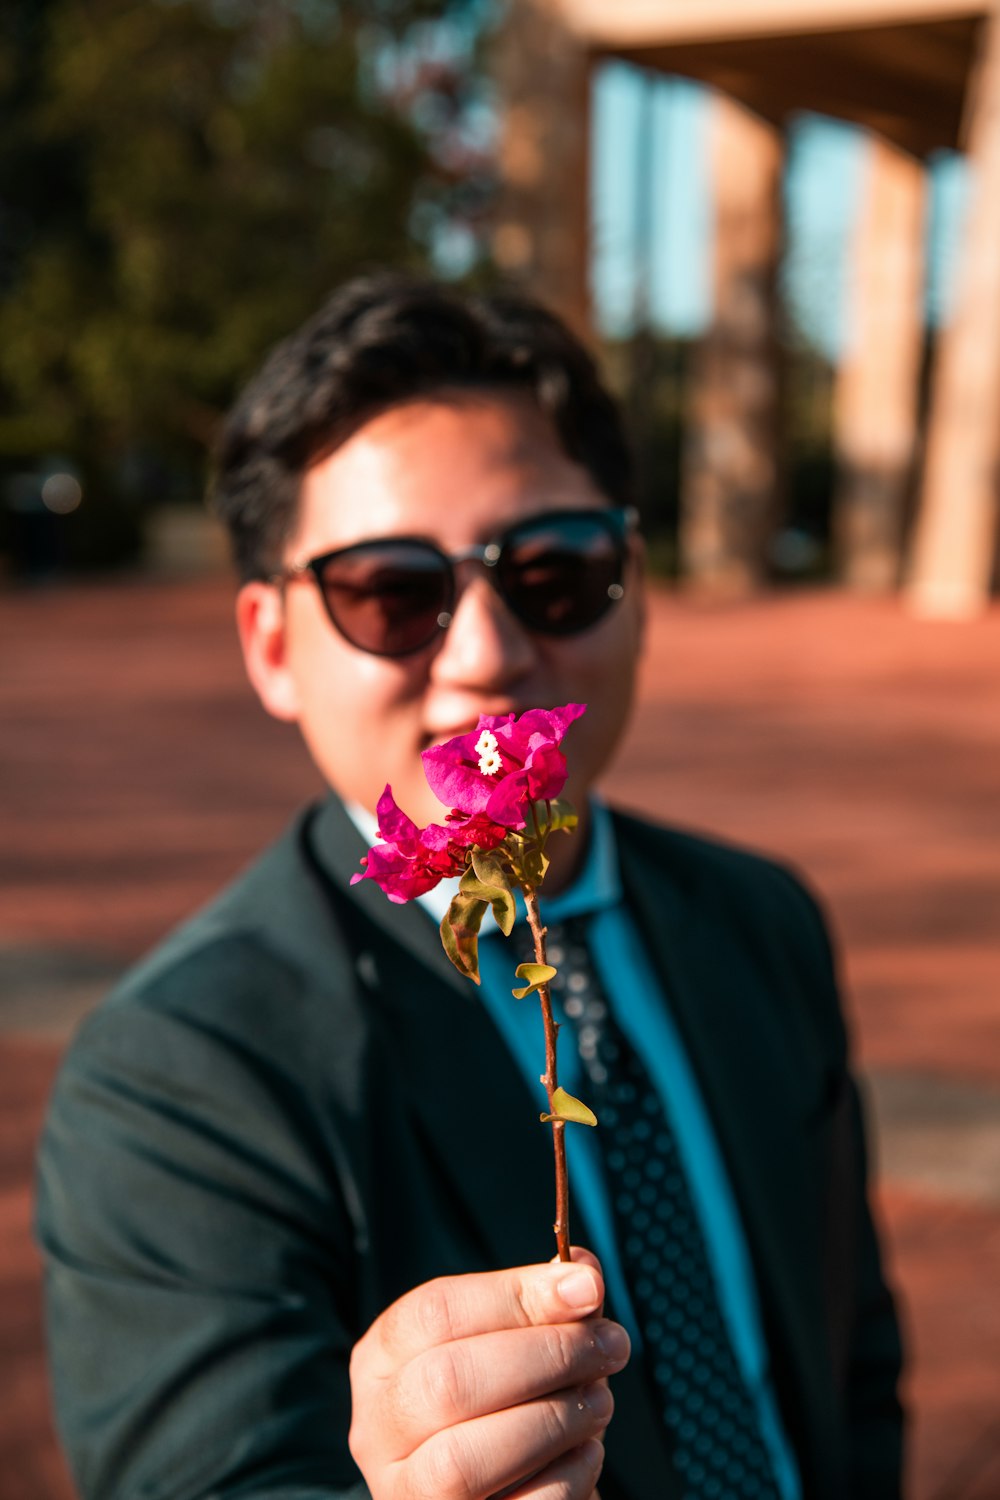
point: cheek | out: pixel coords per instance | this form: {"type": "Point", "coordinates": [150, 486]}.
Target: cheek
{"type": "Point", "coordinates": [610, 661]}
{"type": "Point", "coordinates": [346, 690]}
{"type": "Point", "coordinates": [603, 677]}
{"type": "Point", "coordinates": [359, 717]}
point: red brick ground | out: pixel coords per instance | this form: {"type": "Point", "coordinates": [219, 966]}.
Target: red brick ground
{"type": "Point", "coordinates": [861, 744]}
{"type": "Point", "coordinates": [31, 1466]}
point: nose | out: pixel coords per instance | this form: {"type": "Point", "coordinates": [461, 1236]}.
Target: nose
{"type": "Point", "coordinates": [485, 647]}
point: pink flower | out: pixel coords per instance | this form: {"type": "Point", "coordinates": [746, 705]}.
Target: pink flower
{"type": "Point", "coordinates": [503, 765]}
{"type": "Point", "coordinates": [476, 830]}
{"type": "Point", "coordinates": [412, 860]}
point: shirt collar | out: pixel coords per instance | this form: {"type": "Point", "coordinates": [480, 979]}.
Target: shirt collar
{"type": "Point", "coordinates": [597, 887]}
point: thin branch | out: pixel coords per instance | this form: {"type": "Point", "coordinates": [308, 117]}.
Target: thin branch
{"type": "Point", "coordinates": [551, 1082]}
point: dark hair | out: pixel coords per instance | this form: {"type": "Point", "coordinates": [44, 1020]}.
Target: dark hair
{"type": "Point", "coordinates": [382, 339]}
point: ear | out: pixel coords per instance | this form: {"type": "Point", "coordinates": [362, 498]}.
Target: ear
{"type": "Point", "coordinates": [260, 620]}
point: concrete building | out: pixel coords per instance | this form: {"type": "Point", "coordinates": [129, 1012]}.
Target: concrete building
{"type": "Point", "coordinates": [919, 75]}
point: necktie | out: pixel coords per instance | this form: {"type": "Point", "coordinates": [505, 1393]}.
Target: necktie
{"type": "Point", "coordinates": [719, 1453]}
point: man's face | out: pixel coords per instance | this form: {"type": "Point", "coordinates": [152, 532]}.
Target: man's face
{"type": "Point", "coordinates": [457, 469]}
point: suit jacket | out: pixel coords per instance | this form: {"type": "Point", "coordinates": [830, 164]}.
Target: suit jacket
{"type": "Point", "coordinates": [261, 1140]}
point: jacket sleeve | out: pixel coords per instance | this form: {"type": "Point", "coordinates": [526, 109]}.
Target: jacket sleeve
{"type": "Point", "coordinates": [864, 1334]}
{"type": "Point", "coordinates": [875, 1414]}
{"type": "Point", "coordinates": [199, 1253]}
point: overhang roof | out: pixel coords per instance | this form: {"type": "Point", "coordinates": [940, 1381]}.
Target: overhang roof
{"type": "Point", "coordinates": [900, 67]}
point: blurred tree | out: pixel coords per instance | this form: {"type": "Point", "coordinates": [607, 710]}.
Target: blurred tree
{"type": "Point", "coordinates": [181, 181]}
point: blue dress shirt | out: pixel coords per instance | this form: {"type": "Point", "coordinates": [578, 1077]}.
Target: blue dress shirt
{"type": "Point", "coordinates": [624, 969]}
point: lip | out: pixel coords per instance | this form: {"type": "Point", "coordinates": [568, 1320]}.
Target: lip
{"type": "Point", "coordinates": [468, 726]}
{"type": "Point", "coordinates": [442, 736]}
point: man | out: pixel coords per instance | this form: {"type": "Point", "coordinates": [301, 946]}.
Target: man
{"type": "Point", "coordinates": [289, 1164]}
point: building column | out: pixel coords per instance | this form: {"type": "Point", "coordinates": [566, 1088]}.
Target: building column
{"type": "Point", "coordinates": [877, 392]}
{"type": "Point", "coordinates": [955, 540]}
{"type": "Point", "coordinates": [730, 487]}
{"type": "Point", "coordinates": [541, 238]}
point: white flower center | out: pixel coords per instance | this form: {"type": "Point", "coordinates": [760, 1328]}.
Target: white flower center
{"type": "Point", "coordinates": [490, 762]}
{"type": "Point", "coordinates": [489, 755]}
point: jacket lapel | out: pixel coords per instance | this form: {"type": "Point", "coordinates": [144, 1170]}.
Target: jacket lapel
{"type": "Point", "coordinates": [464, 1089]}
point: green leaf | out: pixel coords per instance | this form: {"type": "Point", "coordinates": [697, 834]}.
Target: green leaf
{"type": "Point", "coordinates": [534, 866]}
{"type": "Point", "coordinates": [460, 934]}
{"type": "Point", "coordinates": [559, 815]}
{"type": "Point", "coordinates": [504, 911]}
{"type": "Point", "coordinates": [501, 900]}
{"type": "Point", "coordinates": [491, 869]}
{"type": "Point", "coordinates": [573, 1111]}
{"type": "Point", "coordinates": [536, 975]}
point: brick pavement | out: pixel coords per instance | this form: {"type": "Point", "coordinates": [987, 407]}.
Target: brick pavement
{"type": "Point", "coordinates": [137, 773]}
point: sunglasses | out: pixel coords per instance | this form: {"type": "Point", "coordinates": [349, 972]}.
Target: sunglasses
{"type": "Point", "coordinates": [558, 573]}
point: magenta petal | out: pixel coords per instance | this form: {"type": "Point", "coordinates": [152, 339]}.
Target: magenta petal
{"type": "Point", "coordinates": [551, 722]}
{"type": "Point", "coordinates": [386, 863]}
{"type": "Point", "coordinates": [512, 741]}
{"type": "Point", "coordinates": [393, 824]}
{"type": "Point", "coordinates": [407, 888]}
{"type": "Point", "coordinates": [434, 837]}
{"type": "Point", "coordinates": [453, 773]}
{"type": "Point", "coordinates": [466, 831]}
{"type": "Point", "coordinates": [510, 801]}
{"type": "Point", "coordinates": [454, 781]}
{"type": "Point", "coordinates": [495, 723]}
{"type": "Point", "coordinates": [546, 773]}
{"type": "Point", "coordinates": [400, 876]}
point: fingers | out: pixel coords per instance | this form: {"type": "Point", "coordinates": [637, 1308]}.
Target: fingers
{"type": "Point", "coordinates": [458, 1307]}
{"type": "Point", "coordinates": [474, 1386]}
{"type": "Point", "coordinates": [579, 1257]}
{"type": "Point", "coordinates": [547, 1440]}
{"type": "Point", "coordinates": [571, 1477]}
{"type": "Point", "coordinates": [468, 1378]}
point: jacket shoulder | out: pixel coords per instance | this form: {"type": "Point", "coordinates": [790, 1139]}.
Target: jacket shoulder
{"type": "Point", "coordinates": [266, 955]}
{"type": "Point", "coordinates": [696, 862]}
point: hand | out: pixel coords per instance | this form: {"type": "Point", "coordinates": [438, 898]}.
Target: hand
{"type": "Point", "coordinates": [471, 1385]}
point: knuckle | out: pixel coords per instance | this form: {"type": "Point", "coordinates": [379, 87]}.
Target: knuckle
{"type": "Point", "coordinates": [360, 1431]}
{"type": "Point", "coordinates": [361, 1439]}
{"type": "Point", "coordinates": [441, 1470]}
{"type": "Point", "coordinates": [555, 1423]}
{"type": "Point", "coordinates": [565, 1356]}
{"type": "Point", "coordinates": [356, 1443]}
{"type": "Point", "coordinates": [529, 1300]}
{"type": "Point", "coordinates": [357, 1365]}
{"type": "Point", "coordinates": [583, 1472]}
{"type": "Point", "coordinates": [405, 1409]}
{"type": "Point", "coordinates": [421, 1317]}
{"type": "Point", "coordinates": [432, 1312]}
{"type": "Point", "coordinates": [445, 1380]}
{"type": "Point", "coordinates": [563, 1347]}
{"type": "Point", "coordinates": [429, 1396]}
{"type": "Point", "coordinates": [391, 1326]}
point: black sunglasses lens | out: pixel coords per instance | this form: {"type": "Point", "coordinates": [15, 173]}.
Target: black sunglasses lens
{"type": "Point", "coordinates": [560, 574]}
{"type": "Point", "coordinates": [386, 597]}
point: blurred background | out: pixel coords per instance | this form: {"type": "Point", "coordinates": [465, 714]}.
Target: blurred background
{"type": "Point", "coordinates": [779, 227]}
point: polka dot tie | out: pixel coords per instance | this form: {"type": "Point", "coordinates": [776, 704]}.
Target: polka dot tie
{"type": "Point", "coordinates": [719, 1453]}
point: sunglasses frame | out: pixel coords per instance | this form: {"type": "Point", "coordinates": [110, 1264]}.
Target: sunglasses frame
{"type": "Point", "coordinates": [620, 522]}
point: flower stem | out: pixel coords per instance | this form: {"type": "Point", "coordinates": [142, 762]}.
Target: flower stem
{"type": "Point", "coordinates": [551, 1082]}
